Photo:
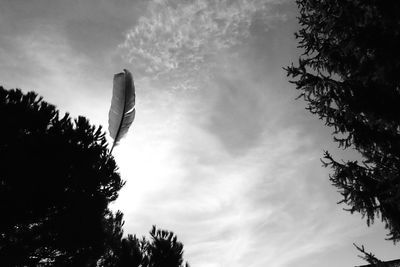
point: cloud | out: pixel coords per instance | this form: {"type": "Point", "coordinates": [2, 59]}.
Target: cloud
{"type": "Point", "coordinates": [201, 44]}
{"type": "Point", "coordinates": [239, 112]}
{"type": "Point", "coordinates": [244, 210]}
{"type": "Point", "coordinates": [44, 56]}
{"type": "Point", "coordinates": [43, 61]}
{"type": "Point", "coordinates": [181, 37]}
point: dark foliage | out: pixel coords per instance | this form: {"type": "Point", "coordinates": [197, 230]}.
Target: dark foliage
{"type": "Point", "coordinates": [370, 258]}
{"type": "Point", "coordinates": [121, 252]}
{"type": "Point", "coordinates": [56, 181]}
{"type": "Point", "coordinates": [349, 75]}
{"type": "Point", "coordinates": [163, 250]}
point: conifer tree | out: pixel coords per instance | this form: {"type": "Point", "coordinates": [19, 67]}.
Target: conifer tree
{"type": "Point", "coordinates": [349, 75]}
{"type": "Point", "coordinates": [57, 178]}
{"type": "Point", "coordinates": [162, 250]}
{"type": "Point", "coordinates": [56, 181]}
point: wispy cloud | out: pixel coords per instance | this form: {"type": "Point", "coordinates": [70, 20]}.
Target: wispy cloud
{"type": "Point", "coordinates": [183, 36]}
{"type": "Point", "coordinates": [44, 62]}
{"type": "Point", "coordinates": [241, 211]}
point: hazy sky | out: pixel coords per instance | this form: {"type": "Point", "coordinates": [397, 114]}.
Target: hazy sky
{"type": "Point", "coordinates": [220, 151]}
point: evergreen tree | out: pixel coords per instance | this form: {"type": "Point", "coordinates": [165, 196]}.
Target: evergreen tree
{"type": "Point", "coordinates": [349, 74]}
{"type": "Point", "coordinates": [162, 250]}
{"type": "Point", "coordinates": [56, 181]}
{"type": "Point", "coordinates": [122, 252]}
{"type": "Point", "coordinates": [370, 258]}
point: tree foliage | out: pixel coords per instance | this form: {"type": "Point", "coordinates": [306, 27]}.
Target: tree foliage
{"type": "Point", "coordinates": [162, 250]}
{"type": "Point", "coordinates": [349, 74]}
{"type": "Point", "coordinates": [370, 258]}
{"type": "Point", "coordinates": [56, 181]}
{"type": "Point", "coordinates": [57, 178]}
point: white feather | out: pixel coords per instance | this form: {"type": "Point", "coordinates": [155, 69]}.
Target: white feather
{"type": "Point", "coordinates": [122, 110]}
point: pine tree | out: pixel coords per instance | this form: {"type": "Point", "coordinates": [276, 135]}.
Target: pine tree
{"type": "Point", "coordinates": [56, 181]}
{"type": "Point", "coordinates": [162, 250]}
{"type": "Point", "coordinates": [349, 74]}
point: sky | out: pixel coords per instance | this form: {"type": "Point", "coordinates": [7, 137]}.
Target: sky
{"type": "Point", "coordinates": [220, 152]}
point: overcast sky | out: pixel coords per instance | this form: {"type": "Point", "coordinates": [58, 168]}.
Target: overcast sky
{"type": "Point", "coordinates": [220, 151]}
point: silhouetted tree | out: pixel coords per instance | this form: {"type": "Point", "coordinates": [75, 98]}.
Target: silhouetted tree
{"type": "Point", "coordinates": [163, 250]}
{"type": "Point", "coordinates": [113, 225]}
{"type": "Point", "coordinates": [370, 258]}
{"type": "Point", "coordinates": [349, 75]}
{"type": "Point", "coordinates": [132, 252]}
{"type": "Point", "coordinates": [122, 252]}
{"type": "Point", "coordinates": [56, 181]}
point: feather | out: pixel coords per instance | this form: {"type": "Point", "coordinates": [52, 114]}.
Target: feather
{"type": "Point", "coordinates": [122, 110]}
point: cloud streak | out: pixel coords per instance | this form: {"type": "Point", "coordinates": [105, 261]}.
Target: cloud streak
{"type": "Point", "coordinates": [182, 37]}
{"type": "Point", "coordinates": [229, 210]}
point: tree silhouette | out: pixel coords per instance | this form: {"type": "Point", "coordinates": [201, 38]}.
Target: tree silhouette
{"type": "Point", "coordinates": [56, 181]}
{"type": "Point", "coordinates": [163, 250]}
{"type": "Point", "coordinates": [349, 76]}
{"type": "Point", "coordinates": [122, 252]}
{"type": "Point", "coordinates": [132, 252]}
{"type": "Point", "coordinates": [370, 258]}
